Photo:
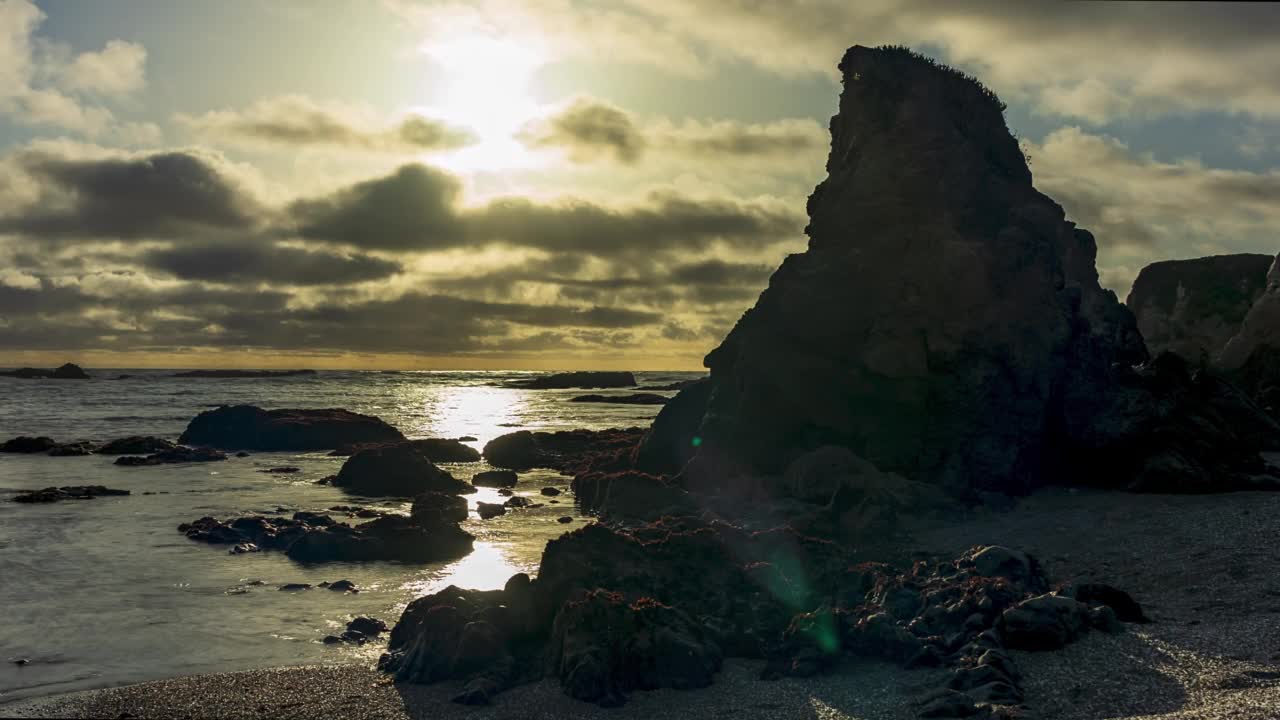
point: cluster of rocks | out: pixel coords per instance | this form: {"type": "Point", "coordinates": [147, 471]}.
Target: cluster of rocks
{"type": "Point", "coordinates": [69, 371]}
{"type": "Point", "coordinates": [488, 511]}
{"type": "Point", "coordinates": [49, 446]}
{"type": "Point", "coordinates": [66, 492]}
{"type": "Point", "coordinates": [429, 534]}
{"type": "Point", "coordinates": [615, 610]}
{"type": "Point", "coordinates": [635, 399]}
{"type": "Point", "coordinates": [172, 455]}
{"type": "Point", "coordinates": [582, 379]}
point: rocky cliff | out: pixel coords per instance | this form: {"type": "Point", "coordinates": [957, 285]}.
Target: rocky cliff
{"type": "Point", "coordinates": [946, 321]}
{"type": "Point", "coordinates": [1193, 307]}
{"type": "Point", "coordinates": [1252, 355]}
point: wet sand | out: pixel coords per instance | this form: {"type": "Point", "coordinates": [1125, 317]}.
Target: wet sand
{"type": "Point", "coordinates": [1205, 568]}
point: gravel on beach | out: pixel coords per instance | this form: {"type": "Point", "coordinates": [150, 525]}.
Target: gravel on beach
{"type": "Point", "coordinates": [1203, 567]}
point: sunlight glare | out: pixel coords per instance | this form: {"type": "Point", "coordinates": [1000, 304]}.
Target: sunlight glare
{"type": "Point", "coordinates": [486, 89]}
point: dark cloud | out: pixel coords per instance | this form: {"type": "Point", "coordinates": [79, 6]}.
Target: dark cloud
{"type": "Point", "coordinates": [416, 208]}
{"type": "Point", "coordinates": [299, 121]}
{"type": "Point", "coordinates": [588, 128]}
{"type": "Point", "coordinates": [158, 195]}
{"type": "Point", "coordinates": [258, 262]}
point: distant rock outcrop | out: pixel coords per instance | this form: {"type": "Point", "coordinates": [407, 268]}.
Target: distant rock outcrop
{"type": "Point", "coordinates": [946, 322]}
{"type": "Point", "coordinates": [245, 427]}
{"type": "Point", "coordinates": [69, 371]}
{"type": "Point", "coordinates": [581, 379]}
{"type": "Point", "coordinates": [1193, 307]}
{"type": "Point", "coordinates": [1252, 356]}
{"type": "Point", "coordinates": [635, 399]}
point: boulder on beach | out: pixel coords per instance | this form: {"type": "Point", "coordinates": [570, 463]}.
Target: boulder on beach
{"type": "Point", "coordinates": [635, 399]}
{"type": "Point", "coordinates": [134, 445]}
{"type": "Point", "coordinates": [245, 427]}
{"type": "Point", "coordinates": [566, 450]}
{"type": "Point", "coordinates": [946, 323]}
{"type": "Point", "coordinates": [583, 379]}
{"type": "Point", "coordinates": [1193, 307]}
{"type": "Point", "coordinates": [399, 470]}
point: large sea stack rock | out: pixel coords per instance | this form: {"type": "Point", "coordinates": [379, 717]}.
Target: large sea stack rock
{"type": "Point", "coordinates": [945, 323]}
{"type": "Point", "coordinates": [245, 427]}
{"type": "Point", "coordinates": [942, 305]}
{"type": "Point", "coordinates": [1252, 356]}
{"type": "Point", "coordinates": [1193, 307]}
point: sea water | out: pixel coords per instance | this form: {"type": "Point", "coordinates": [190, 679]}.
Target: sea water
{"type": "Point", "coordinates": [106, 591]}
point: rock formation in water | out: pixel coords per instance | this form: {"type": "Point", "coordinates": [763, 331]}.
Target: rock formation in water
{"type": "Point", "coordinates": [1252, 356]}
{"type": "Point", "coordinates": [568, 451]}
{"type": "Point", "coordinates": [69, 371]}
{"type": "Point", "coordinates": [587, 379]}
{"type": "Point", "coordinates": [403, 470]}
{"type": "Point", "coordinates": [946, 322]}
{"type": "Point", "coordinates": [244, 427]}
{"type": "Point", "coordinates": [1193, 307]}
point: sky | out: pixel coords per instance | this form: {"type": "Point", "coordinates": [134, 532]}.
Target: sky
{"type": "Point", "coordinates": [547, 184]}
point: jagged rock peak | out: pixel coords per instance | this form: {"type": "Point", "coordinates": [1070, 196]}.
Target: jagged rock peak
{"type": "Point", "coordinates": [946, 322]}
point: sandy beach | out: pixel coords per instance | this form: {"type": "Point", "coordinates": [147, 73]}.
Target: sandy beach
{"type": "Point", "coordinates": [1202, 567]}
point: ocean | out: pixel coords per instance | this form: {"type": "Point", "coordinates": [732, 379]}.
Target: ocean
{"type": "Point", "coordinates": [104, 592]}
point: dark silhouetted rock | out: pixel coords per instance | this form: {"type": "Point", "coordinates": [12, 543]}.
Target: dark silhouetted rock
{"type": "Point", "coordinates": [630, 494]}
{"type": "Point", "coordinates": [70, 371]}
{"type": "Point", "coordinates": [1252, 356]}
{"type": "Point", "coordinates": [315, 538]}
{"type": "Point", "coordinates": [135, 445]}
{"type": "Point", "coordinates": [243, 373]}
{"type": "Point", "coordinates": [251, 428]}
{"type": "Point", "coordinates": [369, 627]}
{"type": "Point", "coordinates": [946, 323]}
{"type": "Point", "coordinates": [569, 451]}
{"type": "Point", "coordinates": [294, 587]}
{"type": "Point", "coordinates": [495, 478]}
{"type": "Point", "coordinates": [66, 492]}
{"type": "Point", "coordinates": [1193, 307]}
{"type": "Point", "coordinates": [75, 449]}
{"type": "Point", "coordinates": [678, 385]}
{"type": "Point", "coordinates": [550, 491]}
{"type": "Point", "coordinates": [175, 454]}
{"type": "Point", "coordinates": [342, 586]}
{"type": "Point", "coordinates": [564, 519]}
{"type": "Point", "coordinates": [585, 379]}
{"type": "Point", "coordinates": [436, 508]}
{"type": "Point", "coordinates": [29, 445]}
{"type": "Point", "coordinates": [490, 510]}
{"type": "Point", "coordinates": [399, 470]}
{"type": "Point", "coordinates": [436, 449]}
{"type": "Point", "coordinates": [282, 470]}
{"type": "Point", "coordinates": [1093, 594]}
{"type": "Point", "coordinates": [636, 399]}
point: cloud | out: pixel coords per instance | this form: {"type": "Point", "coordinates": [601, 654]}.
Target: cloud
{"type": "Point", "coordinates": [298, 121]}
{"type": "Point", "coordinates": [591, 130]}
{"type": "Point", "coordinates": [28, 96]}
{"type": "Point", "coordinates": [587, 129]}
{"type": "Point", "coordinates": [258, 262]}
{"type": "Point", "coordinates": [128, 197]}
{"type": "Point", "coordinates": [417, 208]}
{"type": "Point", "coordinates": [117, 69]}
{"type": "Point", "coordinates": [1142, 209]}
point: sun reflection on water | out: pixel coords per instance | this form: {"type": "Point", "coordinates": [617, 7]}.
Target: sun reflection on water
{"type": "Point", "coordinates": [486, 568]}
{"type": "Point", "coordinates": [480, 411]}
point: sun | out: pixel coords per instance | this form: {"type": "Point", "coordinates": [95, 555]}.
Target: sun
{"type": "Point", "coordinates": [486, 89]}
